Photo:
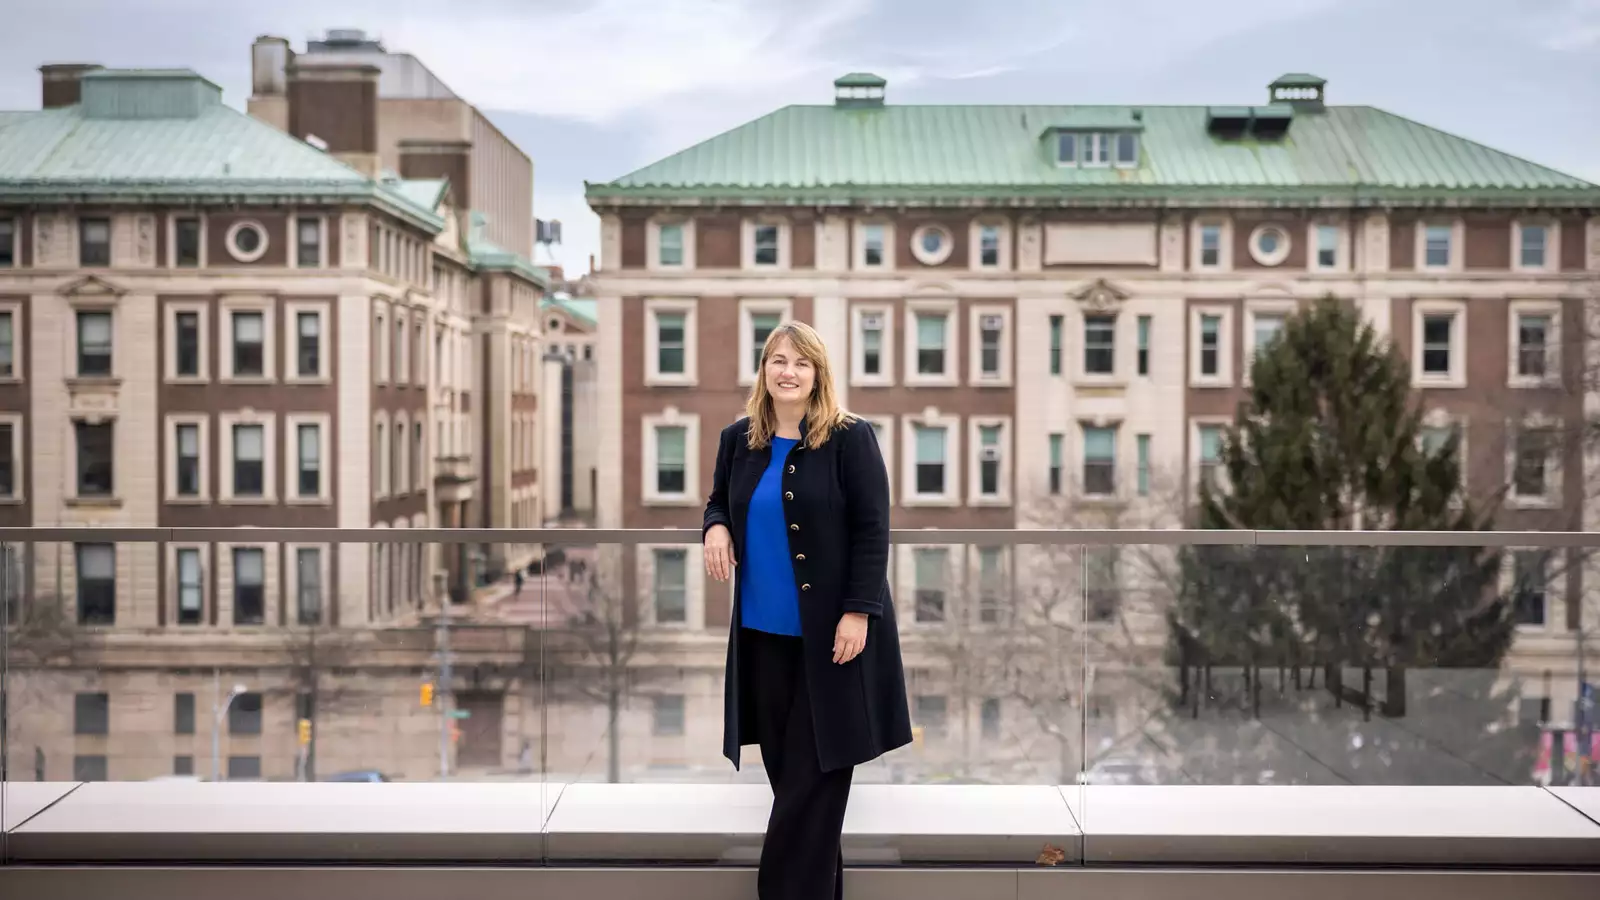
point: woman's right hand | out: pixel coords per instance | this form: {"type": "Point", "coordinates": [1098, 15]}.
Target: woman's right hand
{"type": "Point", "coordinates": [719, 552]}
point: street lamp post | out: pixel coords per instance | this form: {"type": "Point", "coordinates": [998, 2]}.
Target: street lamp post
{"type": "Point", "coordinates": [220, 709]}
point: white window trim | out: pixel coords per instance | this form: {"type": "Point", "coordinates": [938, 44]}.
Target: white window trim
{"type": "Point", "coordinates": [19, 471]}
{"type": "Point", "coordinates": [955, 578]}
{"type": "Point", "coordinates": [400, 324]}
{"type": "Point", "coordinates": [1439, 418]}
{"type": "Point", "coordinates": [974, 461]}
{"type": "Point", "coordinates": [884, 424]}
{"type": "Point", "coordinates": [932, 259]}
{"type": "Point", "coordinates": [380, 471]}
{"type": "Point", "coordinates": [748, 309]}
{"type": "Point", "coordinates": [1077, 445]}
{"type": "Point", "coordinates": [1253, 309]}
{"type": "Point", "coordinates": [653, 244]}
{"type": "Point", "coordinates": [19, 346]}
{"type": "Point", "coordinates": [1552, 353]}
{"type": "Point", "coordinates": [1552, 246]}
{"type": "Point", "coordinates": [230, 241]}
{"type": "Point", "coordinates": [380, 350]}
{"type": "Point", "coordinates": [858, 349]}
{"type": "Point", "coordinates": [291, 563]}
{"type": "Point", "coordinates": [952, 356]}
{"type": "Point", "coordinates": [225, 581]}
{"type": "Point", "coordinates": [973, 564]}
{"type": "Point", "coordinates": [1555, 590]}
{"type": "Point", "coordinates": [74, 347]}
{"type": "Point", "coordinates": [1271, 260]}
{"type": "Point", "coordinates": [294, 239]}
{"type": "Point", "coordinates": [975, 236]}
{"type": "Point", "coordinates": [1341, 261]}
{"type": "Point", "coordinates": [1195, 424]}
{"type": "Point", "coordinates": [291, 453]}
{"type": "Point", "coordinates": [170, 595]}
{"type": "Point", "coordinates": [975, 316]}
{"type": "Point", "coordinates": [118, 472]}
{"type": "Point", "coordinates": [747, 248]}
{"type": "Point", "coordinates": [1552, 496]}
{"type": "Point", "coordinates": [952, 458]}
{"type": "Point", "coordinates": [269, 479]}
{"type": "Point", "coordinates": [269, 344]}
{"type": "Point", "coordinates": [653, 377]}
{"type": "Point", "coordinates": [858, 245]}
{"type": "Point", "coordinates": [1224, 375]}
{"type": "Point", "coordinates": [170, 494]}
{"type": "Point", "coordinates": [694, 587]}
{"type": "Point", "coordinates": [1458, 235]}
{"type": "Point", "coordinates": [291, 340]}
{"type": "Point", "coordinates": [171, 261]}
{"type": "Point", "coordinates": [690, 422]}
{"type": "Point", "coordinates": [399, 484]}
{"type": "Point", "coordinates": [1224, 252]}
{"type": "Point", "coordinates": [1457, 376]}
{"type": "Point", "coordinates": [1078, 319]}
{"type": "Point", "coordinates": [169, 326]}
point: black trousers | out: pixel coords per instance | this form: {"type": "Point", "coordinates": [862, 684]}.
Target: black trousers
{"type": "Point", "coordinates": [800, 858]}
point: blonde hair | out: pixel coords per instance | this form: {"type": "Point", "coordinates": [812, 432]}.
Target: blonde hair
{"type": "Point", "coordinates": [824, 416]}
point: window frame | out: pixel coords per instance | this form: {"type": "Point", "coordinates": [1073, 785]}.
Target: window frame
{"type": "Point", "coordinates": [399, 453]}
{"type": "Point", "coordinates": [1084, 317]}
{"type": "Point", "coordinates": [922, 254]}
{"type": "Point", "coordinates": [380, 341]}
{"type": "Point", "coordinates": [19, 463]}
{"type": "Point", "coordinates": [202, 424]}
{"type": "Point", "coordinates": [914, 310]}
{"type": "Point", "coordinates": [78, 582]}
{"type": "Point", "coordinates": [83, 245]}
{"type": "Point", "coordinates": [230, 241]}
{"type": "Point", "coordinates": [1457, 249]}
{"type": "Point", "coordinates": [1115, 428]}
{"type": "Point", "coordinates": [1197, 428]}
{"type": "Point", "coordinates": [653, 376]}
{"type": "Point", "coordinates": [199, 218]}
{"type": "Point", "coordinates": [1552, 474]}
{"type": "Point", "coordinates": [1552, 350]}
{"type": "Point", "coordinates": [93, 309]}
{"type": "Point", "coordinates": [660, 725]}
{"type": "Point", "coordinates": [747, 245]}
{"type": "Point", "coordinates": [1277, 257]}
{"type": "Point", "coordinates": [976, 313]}
{"type": "Point", "coordinates": [171, 310]}
{"type": "Point", "coordinates": [225, 425]}
{"type": "Point", "coordinates": [1055, 463]}
{"type": "Point", "coordinates": [951, 423]}
{"type": "Point", "coordinates": [1456, 377]}
{"type": "Point", "coordinates": [1144, 327]}
{"type": "Point", "coordinates": [228, 583]}
{"type": "Point", "coordinates": [1552, 246]}
{"type": "Point", "coordinates": [295, 243]}
{"type": "Point", "coordinates": [748, 310]}
{"type": "Point", "coordinates": [947, 587]}
{"type": "Point", "coordinates": [694, 586]}
{"type": "Point", "coordinates": [19, 347]}
{"type": "Point", "coordinates": [292, 312]}
{"type": "Point", "coordinates": [324, 570]}
{"type": "Point", "coordinates": [228, 309]}
{"type": "Point", "coordinates": [1224, 374]}
{"type": "Point", "coordinates": [1116, 138]}
{"type": "Point", "coordinates": [1341, 250]}
{"type": "Point", "coordinates": [400, 345]}
{"type": "Point", "coordinates": [650, 494]}
{"type": "Point", "coordinates": [15, 233]}
{"type": "Point", "coordinates": [1224, 228]}
{"type": "Point", "coordinates": [1002, 230]}
{"type": "Point", "coordinates": [858, 349]}
{"type": "Point", "coordinates": [292, 423]}
{"type": "Point", "coordinates": [110, 497]}
{"type": "Point", "coordinates": [858, 245]}
{"type": "Point", "coordinates": [1255, 310]}
{"type": "Point", "coordinates": [975, 495]}
{"type": "Point", "coordinates": [1551, 594]}
{"type": "Point", "coordinates": [175, 585]}
{"type": "Point", "coordinates": [653, 231]}
{"type": "Point", "coordinates": [1143, 463]}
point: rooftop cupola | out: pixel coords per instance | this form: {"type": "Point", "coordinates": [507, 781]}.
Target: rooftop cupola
{"type": "Point", "coordinates": [859, 90]}
{"type": "Point", "coordinates": [1304, 92]}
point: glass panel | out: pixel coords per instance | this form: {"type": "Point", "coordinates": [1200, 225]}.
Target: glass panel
{"type": "Point", "coordinates": [1533, 246]}
{"type": "Point", "coordinates": [930, 444]}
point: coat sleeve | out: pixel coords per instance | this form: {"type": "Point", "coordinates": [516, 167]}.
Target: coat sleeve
{"type": "Point", "coordinates": [717, 511]}
{"type": "Point", "coordinates": [866, 491]}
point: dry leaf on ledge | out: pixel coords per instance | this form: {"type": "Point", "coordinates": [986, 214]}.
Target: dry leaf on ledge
{"type": "Point", "coordinates": [1051, 855]}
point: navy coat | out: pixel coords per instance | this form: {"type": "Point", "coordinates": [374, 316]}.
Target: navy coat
{"type": "Point", "coordinates": [836, 501]}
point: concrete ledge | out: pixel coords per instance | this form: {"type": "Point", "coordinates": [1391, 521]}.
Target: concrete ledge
{"type": "Point", "coordinates": [22, 800]}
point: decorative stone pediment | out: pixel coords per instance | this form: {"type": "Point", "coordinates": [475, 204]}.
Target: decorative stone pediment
{"type": "Point", "coordinates": [931, 289]}
{"type": "Point", "coordinates": [92, 287]}
{"type": "Point", "coordinates": [1100, 295]}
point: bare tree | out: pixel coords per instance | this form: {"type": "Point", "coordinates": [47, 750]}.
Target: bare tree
{"type": "Point", "coordinates": [314, 656]}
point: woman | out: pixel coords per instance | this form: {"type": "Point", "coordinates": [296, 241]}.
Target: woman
{"type": "Point", "coordinates": [799, 517]}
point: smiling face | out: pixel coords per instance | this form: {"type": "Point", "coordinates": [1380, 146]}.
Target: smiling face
{"type": "Point", "coordinates": [789, 376]}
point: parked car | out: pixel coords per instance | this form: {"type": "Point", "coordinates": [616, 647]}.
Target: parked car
{"type": "Point", "coordinates": [372, 776]}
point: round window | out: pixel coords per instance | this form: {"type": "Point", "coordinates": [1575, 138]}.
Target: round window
{"type": "Point", "coordinates": [931, 244]}
{"type": "Point", "coordinates": [247, 241]}
{"type": "Point", "coordinates": [1269, 245]}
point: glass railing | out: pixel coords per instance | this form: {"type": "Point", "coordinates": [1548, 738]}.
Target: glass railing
{"type": "Point", "coordinates": [1048, 673]}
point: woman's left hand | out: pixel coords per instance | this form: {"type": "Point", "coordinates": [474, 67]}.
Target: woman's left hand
{"type": "Point", "coordinates": [851, 637]}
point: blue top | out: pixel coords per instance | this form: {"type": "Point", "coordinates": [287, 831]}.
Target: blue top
{"type": "Point", "coordinates": [768, 598]}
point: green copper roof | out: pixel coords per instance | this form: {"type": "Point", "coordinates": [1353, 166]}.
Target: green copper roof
{"type": "Point", "coordinates": [938, 154]}
{"type": "Point", "coordinates": [489, 257]}
{"type": "Point", "coordinates": [1299, 79]}
{"type": "Point", "coordinates": [861, 80]}
{"type": "Point", "coordinates": [424, 192]}
{"type": "Point", "coordinates": [584, 309]}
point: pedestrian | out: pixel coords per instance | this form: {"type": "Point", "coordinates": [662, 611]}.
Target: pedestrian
{"type": "Point", "coordinates": [798, 516]}
{"type": "Point", "coordinates": [519, 583]}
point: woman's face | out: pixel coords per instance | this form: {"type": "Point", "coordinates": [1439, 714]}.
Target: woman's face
{"type": "Point", "coordinates": [790, 376]}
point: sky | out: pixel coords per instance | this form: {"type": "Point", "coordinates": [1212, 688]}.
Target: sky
{"type": "Point", "coordinates": [593, 89]}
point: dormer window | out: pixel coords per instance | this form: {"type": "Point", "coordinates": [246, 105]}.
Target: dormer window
{"type": "Point", "coordinates": [1094, 149]}
{"type": "Point", "coordinates": [1127, 150]}
{"type": "Point", "coordinates": [1067, 148]}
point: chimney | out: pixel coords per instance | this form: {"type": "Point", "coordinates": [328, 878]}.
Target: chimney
{"type": "Point", "coordinates": [269, 66]}
{"type": "Point", "coordinates": [337, 103]}
{"type": "Point", "coordinates": [450, 160]}
{"type": "Point", "coordinates": [62, 83]}
{"type": "Point", "coordinates": [859, 90]}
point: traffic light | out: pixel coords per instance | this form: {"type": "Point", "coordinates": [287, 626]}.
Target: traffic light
{"type": "Point", "coordinates": [305, 732]}
{"type": "Point", "coordinates": [427, 693]}
{"type": "Point", "coordinates": [455, 733]}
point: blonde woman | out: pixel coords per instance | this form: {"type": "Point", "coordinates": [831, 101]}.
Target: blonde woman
{"type": "Point", "coordinates": [799, 517]}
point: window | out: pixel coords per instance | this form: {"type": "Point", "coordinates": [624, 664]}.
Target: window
{"type": "Point", "coordinates": [671, 334]}
{"type": "Point", "coordinates": [1066, 149]}
{"type": "Point", "coordinates": [1143, 347]}
{"type": "Point", "coordinates": [1532, 463]}
{"type": "Point", "coordinates": [249, 460]}
{"type": "Point", "coordinates": [249, 343]}
{"type": "Point", "coordinates": [1057, 326]}
{"type": "Point", "coordinates": [1099, 461]}
{"type": "Point", "coordinates": [191, 587]}
{"type": "Point", "coordinates": [244, 768]}
{"type": "Point", "coordinates": [96, 444]}
{"type": "Point", "coordinates": [91, 714]}
{"type": "Point", "coordinates": [380, 459]}
{"type": "Point", "coordinates": [762, 325]}
{"type": "Point", "coordinates": [670, 586]}
{"type": "Point", "coordinates": [932, 330]}
{"type": "Point", "coordinates": [380, 346]}
{"type": "Point", "coordinates": [1141, 445]}
{"type": "Point", "coordinates": [989, 719]}
{"type": "Point", "coordinates": [991, 329]}
{"type": "Point", "coordinates": [8, 243]}
{"type": "Point", "coordinates": [8, 344]}
{"type": "Point", "coordinates": [932, 716]}
{"type": "Point", "coordinates": [8, 460]}
{"type": "Point", "coordinates": [1102, 591]}
{"type": "Point", "coordinates": [1210, 246]}
{"type": "Point", "coordinates": [1269, 245]}
{"type": "Point", "coordinates": [183, 713]}
{"type": "Point", "coordinates": [670, 250]}
{"type": "Point", "coordinates": [94, 242]}
{"type": "Point", "coordinates": [1436, 437]}
{"type": "Point", "coordinates": [989, 246]}
{"type": "Point", "coordinates": [1530, 580]}
{"type": "Point", "coordinates": [1534, 331]}
{"type": "Point", "coordinates": [183, 764]}
{"type": "Point", "coordinates": [186, 344]}
{"type": "Point", "coordinates": [308, 460]}
{"type": "Point", "coordinates": [1210, 438]}
{"type": "Point", "coordinates": [399, 478]}
{"type": "Point", "coordinates": [249, 585]}
{"type": "Point", "coordinates": [1533, 246]}
{"type": "Point", "coordinates": [1127, 150]}
{"type": "Point", "coordinates": [989, 451]}
{"type": "Point", "coordinates": [991, 586]}
{"type": "Point", "coordinates": [931, 245]}
{"type": "Point", "coordinates": [308, 242]}
{"type": "Point", "coordinates": [419, 457]}
{"type": "Point", "coordinates": [1210, 346]}
{"type": "Point", "coordinates": [186, 441]}
{"type": "Point", "coordinates": [1328, 237]}
{"type": "Point", "coordinates": [246, 241]}
{"type": "Point", "coordinates": [97, 583]}
{"type": "Point", "coordinates": [1436, 246]}
{"type": "Point", "coordinates": [929, 567]}
{"type": "Point", "coordinates": [90, 767]}
{"type": "Point", "coordinates": [308, 344]}
{"type": "Point", "coordinates": [1097, 149]}
{"type": "Point", "coordinates": [1057, 450]}
{"type": "Point", "coordinates": [1265, 328]}
{"type": "Point", "coordinates": [400, 350]}
{"type": "Point", "coordinates": [186, 242]}
{"type": "Point", "coordinates": [872, 344]}
{"type": "Point", "coordinates": [1437, 329]}
{"type": "Point", "coordinates": [1099, 344]}
{"type": "Point", "coordinates": [419, 353]}
{"type": "Point", "coordinates": [930, 449]}
{"type": "Point", "coordinates": [666, 717]}
{"type": "Point", "coordinates": [308, 585]}
{"type": "Point", "coordinates": [671, 459]}
{"type": "Point", "coordinates": [244, 717]}
{"type": "Point", "coordinates": [873, 243]}
{"type": "Point", "coordinates": [765, 245]}
{"type": "Point", "coordinates": [94, 344]}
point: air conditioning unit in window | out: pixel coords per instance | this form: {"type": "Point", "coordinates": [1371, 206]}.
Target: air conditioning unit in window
{"type": "Point", "coordinates": [989, 454]}
{"type": "Point", "coordinates": [992, 323]}
{"type": "Point", "coordinates": [872, 321]}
